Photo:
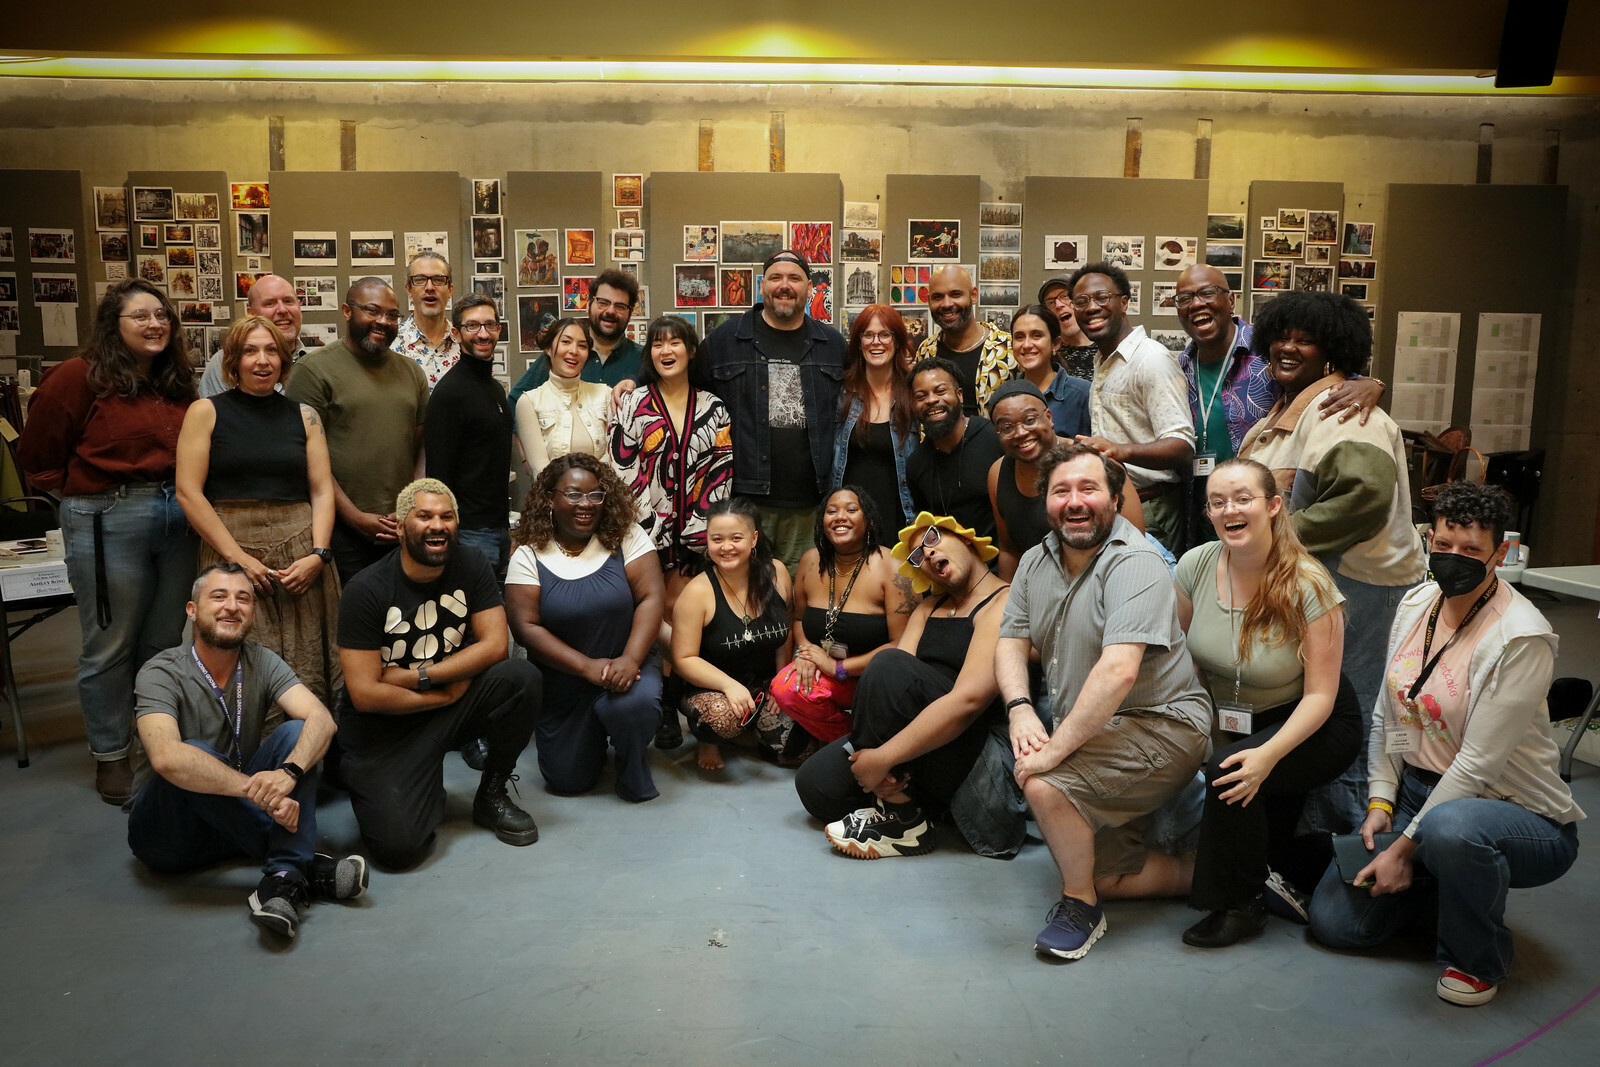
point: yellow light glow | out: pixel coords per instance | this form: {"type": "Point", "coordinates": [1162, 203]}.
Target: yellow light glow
{"type": "Point", "coordinates": [766, 72]}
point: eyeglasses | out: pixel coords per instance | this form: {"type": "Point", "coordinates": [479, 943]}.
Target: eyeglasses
{"type": "Point", "coordinates": [378, 313]}
{"type": "Point", "coordinates": [1205, 294]}
{"type": "Point", "coordinates": [480, 327]}
{"type": "Point", "coordinates": [419, 280]}
{"type": "Point", "coordinates": [920, 553]}
{"type": "Point", "coordinates": [1217, 505]}
{"type": "Point", "coordinates": [575, 498]}
{"type": "Point", "coordinates": [883, 336]}
{"type": "Point", "coordinates": [600, 303]}
{"type": "Point", "coordinates": [1084, 303]}
{"type": "Point", "coordinates": [1057, 298]}
{"type": "Point", "coordinates": [144, 318]}
{"type": "Point", "coordinates": [1007, 428]}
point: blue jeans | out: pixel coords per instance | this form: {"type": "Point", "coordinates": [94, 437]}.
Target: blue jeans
{"type": "Point", "coordinates": [1469, 854]}
{"type": "Point", "coordinates": [149, 563]}
{"type": "Point", "coordinates": [172, 829]}
{"type": "Point", "coordinates": [494, 544]}
{"type": "Point", "coordinates": [1340, 806]}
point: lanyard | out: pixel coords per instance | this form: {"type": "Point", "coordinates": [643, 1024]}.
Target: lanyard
{"type": "Point", "coordinates": [1222, 376]}
{"type": "Point", "coordinates": [833, 609]}
{"type": "Point", "coordinates": [1238, 653]}
{"type": "Point", "coordinates": [236, 721]}
{"type": "Point", "coordinates": [1427, 639]}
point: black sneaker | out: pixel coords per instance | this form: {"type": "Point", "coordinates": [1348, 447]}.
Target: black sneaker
{"type": "Point", "coordinates": [333, 879]}
{"type": "Point", "coordinates": [881, 831]}
{"type": "Point", "coordinates": [1284, 900]}
{"type": "Point", "coordinates": [494, 810]}
{"type": "Point", "coordinates": [276, 903]}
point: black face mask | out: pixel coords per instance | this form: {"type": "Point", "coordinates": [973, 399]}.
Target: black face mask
{"type": "Point", "coordinates": [1455, 573]}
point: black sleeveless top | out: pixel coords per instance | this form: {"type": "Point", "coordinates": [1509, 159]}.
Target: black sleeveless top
{"type": "Point", "coordinates": [258, 449]}
{"type": "Point", "coordinates": [745, 652]}
{"type": "Point", "coordinates": [857, 631]}
{"type": "Point", "coordinates": [1024, 515]}
{"type": "Point", "coordinates": [871, 466]}
{"type": "Point", "coordinates": [946, 639]}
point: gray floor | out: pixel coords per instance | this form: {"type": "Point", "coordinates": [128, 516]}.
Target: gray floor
{"type": "Point", "coordinates": [710, 926]}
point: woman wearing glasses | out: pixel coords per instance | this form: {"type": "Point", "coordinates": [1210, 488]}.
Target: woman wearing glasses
{"type": "Point", "coordinates": [1266, 630]}
{"type": "Point", "coordinates": [253, 478]}
{"type": "Point", "coordinates": [584, 597]}
{"type": "Point", "coordinates": [102, 434]}
{"type": "Point", "coordinates": [565, 414]}
{"type": "Point", "coordinates": [877, 427]}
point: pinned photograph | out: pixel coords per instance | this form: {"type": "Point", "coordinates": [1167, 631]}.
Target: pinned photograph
{"type": "Point", "coordinates": [183, 282]}
{"type": "Point", "coordinates": [1281, 244]}
{"type": "Point", "coordinates": [575, 292]}
{"type": "Point", "coordinates": [196, 312]}
{"type": "Point", "coordinates": [1357, 239]}
{"type": "Point", "coordinates": [534, 313]}
{"type": "Point", "coordinates": [999, 318]}
{"type": "Point", "coordinates": [152, 269]}
{"type": "Point", "coordinates": [694, 285]}
{"type": "Point", "coordinates": [316, 248]}
{"type": "Point", "coordinates": [1176, 253]}
{"type": "Point", "coordinates": [821, 304]}
{"type": "Point", "coordinates": [1224, 254]}
{"type": "Point", "coordinates": [691, 318]}
{"type": "Point", "coordinates": [909, 284]}
{"type": "Point", "coordinates": [861, 214]}
{"type": "Point", "coordinates": [243, 280]}
{"type": "Point", "coordinates": [627, 245]}
{"type": "Point", "coordinates": [116, 272]}
{"type": "Point", "coordinates": [1322, 227]}
{"type": "Point", "coordinates": [627, 190]}
{"type": "Point", "coordinates": [736, 286]}
{"type": "Point", "coordinates": [249, 196]}
{"type": "Point", "coordinates": [1313, 279]}
{"type": "Point", "coordinates": [916, 320]}
{"type": "Point", "coordinates": [1125, 252]}
{"type": "Point", "coordinates": [994, 294]}
{"type": "Point", "coordinates": [1065, 251]}
{"type": "Point", "coordinates": [628, 218]}
{"type": "Point", "coordinates": [999, 266]}
{"type": "Point", "coordinates": [8, 245]}
{"type": "Point", "coordinates": [1360, 269]}
{"type": "Point", "coordinates": [210, 288]}
{"type": "Point", "coordinates": [254, 232]}
{"type": "Point", "coordinates": [1174, 341]}
{"type": "Point", "coordinates": [1270, 274]}
{"type": "Point", "coordinates": [1319, 255]}
{"type": "Point", "coordinates": [1136, 298]}
{"type": "Point", "coordinates": [488, 238]}
{"type": "Point", "coordinates": [1354, 290]}
{"type": "Point", "coordinates": [110, 207]}
{"type": "Point", "coordinates": [114, 247]}
{"type": "Point", "coordinates": [813, 240]}
{"type": "Point", "coordinates": [198, 206]}
{"type": "Point", "coordinates": [700, 244]}
{"type": "Point", "coordinates": [994, 239]}
{"type": "Point", "coordinates": [8, 288]}
{"type": "Point", "coordinates": [1291, 218]}
{"type": "Point", "coordinates": [486, 196]}
{"type": "Point", "coordinates": [55, 288]}
{"type": "Point", "coordinates": [314, 335]}
{"type": "Point", "coordinates": [152, 204]}
{"type": "Point", "coordinates": [861, 246]}
{"type": "Point", "coordinates": [1224, 228]}
{"type": "Point", "coordinates": [933, 239]}
{"type": "Point", "coordinates": [1269, 222]}
{"type": "Point", "coordinates": [995, 213]}
{"type": "Point", "coordinates": [180, 256]}
{"type": "Point", "coordinates": [372, 248]}
{"type": "Point", "coordinates": [861, 284]}
{"type": "Point", "coordinates": [486, 266]}
{"type": "Point", "coordinates": [178, 233]}
{"type": "Point", "coordinates": [492, 286]}
{"type": "Point", "coordinates": [318, 292]}
{"type": "Point", "coordinates": [52, 246]}
{"type": "Point", "coordinates": [710, 320]}
{"type": "Point", "coordinates": [751, 242]}
{"type": "Point", "coordinates": [580, 248]}
{"type": "Point", "coordinates": [208, 235]}
{"type": "Point", "coordinates": [1164, 299]}
{"type": "Point", "coordinates": [419, 242]}
{"type": "Point", "coordinates": [195, 338]}
{"type": "Point", "coordinates": [1235, 280]}
{"type": "Point", "coordinates": [538, 262]}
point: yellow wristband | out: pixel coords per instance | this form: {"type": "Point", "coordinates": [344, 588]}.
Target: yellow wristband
{"type": "Point", "coordinates": [1382, 805]}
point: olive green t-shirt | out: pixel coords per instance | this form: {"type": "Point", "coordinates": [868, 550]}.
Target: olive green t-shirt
{"type": "Point", "coordinates": [1274, 675]}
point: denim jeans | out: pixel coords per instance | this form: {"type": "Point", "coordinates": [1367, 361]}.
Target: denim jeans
{"type": "Point", "coordinates": [1469, 853]}
{"type": "Point", "coordinates": [149, 554]}
{"type": "Point", "coordinates": [171, 829]}
{"type": "Point", "coordinates": [1340, 806]}
{"type": "Point", "coordinates": [495, 546]}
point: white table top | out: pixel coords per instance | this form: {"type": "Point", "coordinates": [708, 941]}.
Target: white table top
{"type": "Point", "coordinates": [1581, 582]}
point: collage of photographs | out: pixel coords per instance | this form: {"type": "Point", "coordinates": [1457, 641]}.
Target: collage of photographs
{"type": "Point", "coordinates": [1310, 250]}
{"type": "Point", "coordinates": [718, 275]}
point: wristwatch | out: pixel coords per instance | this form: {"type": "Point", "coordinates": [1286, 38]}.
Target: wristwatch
{"type": "Point", "coordinates": [423, 684]}
{"type": "Point", "coordinates": [324, 554]}
{"type": "Point", "coordinates": [293, 770]}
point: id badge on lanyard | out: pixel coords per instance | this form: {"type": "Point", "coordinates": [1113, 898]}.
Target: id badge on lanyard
{"type": "Point", "coordinates": [1204, 464]}
{"type": "Point", "coordinates": [1237, 717]}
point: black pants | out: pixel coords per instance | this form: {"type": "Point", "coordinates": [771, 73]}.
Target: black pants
{"type": "Point", "coordinates": [394, 764]}
{"type": "Point", "coordinates": [1238, 841]}
{"type": "Point", "coordinates": [353, 553]}
{"type": "Point", "coordinates": [893, 691]}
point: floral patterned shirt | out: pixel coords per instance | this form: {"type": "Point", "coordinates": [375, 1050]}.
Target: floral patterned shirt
{"type": "Point", "coordinates": [434, 361]}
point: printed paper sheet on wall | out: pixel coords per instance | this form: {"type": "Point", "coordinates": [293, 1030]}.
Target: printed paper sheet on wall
{"type": "Point", "coordinates": [1502, 383]}
{"type": "Point", "coordinates": [1425, 368]}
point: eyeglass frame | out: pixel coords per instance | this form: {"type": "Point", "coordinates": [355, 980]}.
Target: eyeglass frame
{"type": "Point", "coordinates": [142, 317]}
{"type": "Point", "coordinates": [1206, 294]}
{"type": "Point", "coordinates": [573, 497]}
{"type": "Point", "coordinates": [1027, 422]}
{"type": "Point", "coordinates": [1239, 502]}
{"type": "Point", "coordinates": [439, 280]}
{"type": "Point", "coordinates": [377, 312]}
{"type": "Point", "coordinates": [929, 540]}
{"type": "Point", "coordinates": [1099, 300]}
{"type": "Point", "coordinates": [492, 326]}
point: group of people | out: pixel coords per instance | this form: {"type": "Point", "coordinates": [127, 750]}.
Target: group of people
{"type": "Point", "coordinates": [1003, 575]}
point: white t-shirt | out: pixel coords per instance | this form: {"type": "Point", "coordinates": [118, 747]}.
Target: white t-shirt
{"type": "Point", "coordinates": [523, 571]}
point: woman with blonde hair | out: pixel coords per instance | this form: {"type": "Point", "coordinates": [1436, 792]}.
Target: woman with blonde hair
{"type": "Point", "coordinates": [1266, 630]}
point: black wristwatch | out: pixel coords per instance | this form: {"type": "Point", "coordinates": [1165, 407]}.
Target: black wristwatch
{"type": "Point", "coordinates": [324, 554]}
{"type": "Point", "coordinates": [293, 770]}
{"type": "Point", "coordinates": [1020, 700]}
{"type": "Point", "coordinates": [423, 684]}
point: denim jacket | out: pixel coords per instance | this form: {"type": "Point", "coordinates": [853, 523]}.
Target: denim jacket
{"type": "Point", "coordinates": [732, 366]}
{"type": "Point", "coordinates": [903, 447]}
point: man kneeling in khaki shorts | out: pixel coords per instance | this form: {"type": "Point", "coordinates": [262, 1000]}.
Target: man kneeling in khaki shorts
{"type": "Point", "coordinates": [1098, 603]}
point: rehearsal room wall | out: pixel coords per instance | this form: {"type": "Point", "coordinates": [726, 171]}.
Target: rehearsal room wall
{"type": "Point", "coordinates": [863, 133]}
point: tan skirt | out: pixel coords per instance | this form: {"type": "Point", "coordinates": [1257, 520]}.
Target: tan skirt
{"type": "Point", "coordinates": [302, 629]}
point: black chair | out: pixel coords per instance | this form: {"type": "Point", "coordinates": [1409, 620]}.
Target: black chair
{"type": "Point", "coordinates": [15, 526]}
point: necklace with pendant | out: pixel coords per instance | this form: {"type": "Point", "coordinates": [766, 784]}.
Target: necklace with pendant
{"type": "Point", "coordinates": [744, 615]}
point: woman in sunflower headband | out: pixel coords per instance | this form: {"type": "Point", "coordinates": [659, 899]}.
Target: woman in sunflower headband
{"type": "Point", "coordinates": [920, 708]}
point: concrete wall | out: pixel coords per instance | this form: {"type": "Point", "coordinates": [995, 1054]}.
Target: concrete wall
{"type": "Point", "coordinates": [865, 132]}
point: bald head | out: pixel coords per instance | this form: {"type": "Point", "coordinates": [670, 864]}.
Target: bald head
{"type": "Point", "coordinates": [1205, 306]}
{"type": "Point", "coordinates": [951, 295]}
{"type": "Point", "coordinates": [273, 298]}
{"type": "Point", "coordinates": [373, 315]}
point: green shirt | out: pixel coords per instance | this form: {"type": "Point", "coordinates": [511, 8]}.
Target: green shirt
{"type": "Point", "coordinates": [621, 365]}
{"type": "Point", "coordinates": [1211, 433]}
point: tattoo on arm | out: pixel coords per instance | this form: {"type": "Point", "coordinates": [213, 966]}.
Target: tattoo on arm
{"type": "Point", "coordinates": [908, 597]}
{"type": "Point", "coordinates": [310, 414]}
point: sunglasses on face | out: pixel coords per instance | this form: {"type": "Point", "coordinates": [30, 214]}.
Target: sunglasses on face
{"type": "Point", "coordinates": [918, 554]}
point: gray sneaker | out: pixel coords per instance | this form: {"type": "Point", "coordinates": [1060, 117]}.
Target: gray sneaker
{"type": "Point", "coordinates": [333, 879]}
{"type": "Point", "coordinates": [276, 903]}
{"type": "Point", "coordinates": [1284, 900]}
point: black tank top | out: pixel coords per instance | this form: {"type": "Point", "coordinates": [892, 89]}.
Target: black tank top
{"type": "Point", "coordinates": [857, 631]}
{"type": "Point", "coordinates": [1024, 515]}
{"type": "Point", "coordinates": [946, 639]}
{"type": "Point", "coordinates": [258, 449]}
{"type": "Point", "coordinates": [745, 652]}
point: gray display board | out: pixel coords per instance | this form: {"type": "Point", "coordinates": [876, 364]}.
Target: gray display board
{"type": "Point", "coordinates": [1282, 201]}
{"type": "Point", "coordinates": [926, 198]}
{"type": "Point", "coordinates": [346, 202]}
{"type": "Point", "coordinates": [675, 200]}
{"type": "Point", "coordinates": [47, 200]}
{"type": "Point", "coordinates": [554, 201]}
{"type": "Point", "coordinates": [1098, 208]}
{"type": "Point", "coordinates": [186, 284]}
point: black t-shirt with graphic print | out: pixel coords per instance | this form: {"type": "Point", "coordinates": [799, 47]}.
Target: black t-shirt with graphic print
{"type": "Point", "coordinates": [413, 624]}
{"type": "Point", "coordinates": [794, 475]}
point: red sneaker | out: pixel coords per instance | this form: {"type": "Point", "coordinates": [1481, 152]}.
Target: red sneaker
{"type": "Point", "coordinates": [1461, 988]}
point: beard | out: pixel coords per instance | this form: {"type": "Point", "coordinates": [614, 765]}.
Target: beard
{"type": "Point", "coordinates": [373, 338]}
{"type": "Point", "coordinates": [1092, 537]}
{"type": "Point", "coordinates": [417, 548]}
{"type": "Point", "coordinates": [939, 429]}
{"type": "Point", "coordinates": [226, 642]}
{"type": "Point", "coordinates": [607, 332]}
{"type": "Point", "coordinates": [963, 315]}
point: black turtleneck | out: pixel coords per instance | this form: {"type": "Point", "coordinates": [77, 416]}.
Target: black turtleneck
{"type": "Point", "coordinates": [467, 438]}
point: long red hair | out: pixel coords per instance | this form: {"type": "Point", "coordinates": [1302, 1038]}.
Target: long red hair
{"type": "Point", "coordinates": [855, 371]}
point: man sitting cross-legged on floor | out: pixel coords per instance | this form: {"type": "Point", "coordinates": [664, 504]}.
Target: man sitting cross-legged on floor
{"type": "Point", "coordinates": [219, 783]}
{"type": "Point", "coordinates": [920, 708]}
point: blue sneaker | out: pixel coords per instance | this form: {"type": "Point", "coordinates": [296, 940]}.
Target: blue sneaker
{"type": "Point", "coordinates": [1071, 929]}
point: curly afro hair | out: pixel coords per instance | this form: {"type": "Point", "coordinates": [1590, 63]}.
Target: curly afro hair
{"type": "Point", "coordinates": [1488, 507]}
{"type": "Point", "coordinates": [1336, 323]}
